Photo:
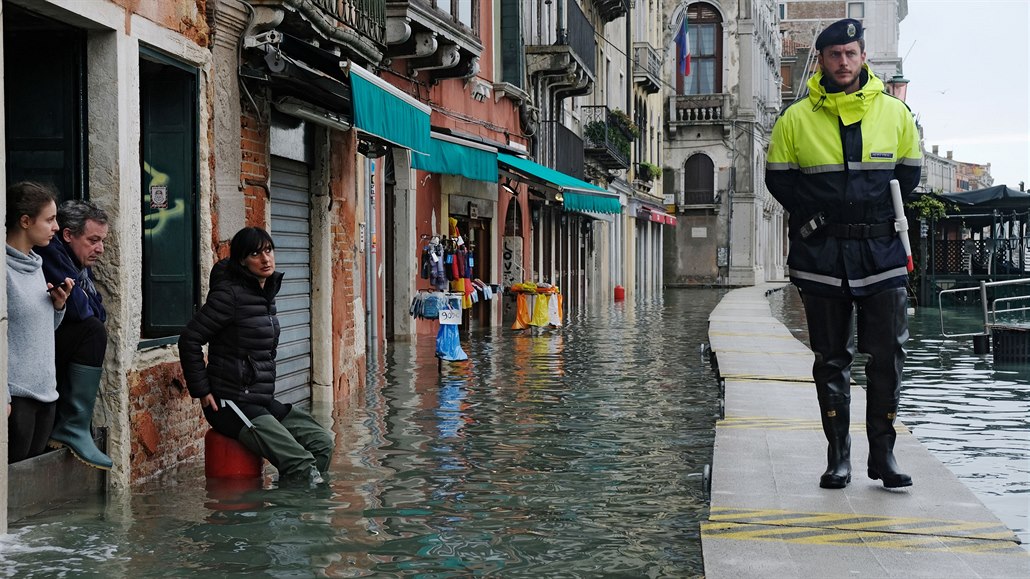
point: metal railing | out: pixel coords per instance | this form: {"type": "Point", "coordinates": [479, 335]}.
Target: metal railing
{"type": "Point", "coordinates": [648, 69]}
{"type": "Point", "coordinates": [604, 138]}
{"type": "Point", "coordinates": [579, 35]}
{"type": "Point", "coordinates": [989, 309]}
{"type": "Point", "coordinates": [365, 16]}
{"type": "Point", "coordinates": [562, 149]}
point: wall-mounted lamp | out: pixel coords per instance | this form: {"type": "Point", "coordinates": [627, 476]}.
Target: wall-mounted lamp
{"type": "Point", "coordinates": [509, 186]}
{"type": "Point", "coordinates": [559, 197]}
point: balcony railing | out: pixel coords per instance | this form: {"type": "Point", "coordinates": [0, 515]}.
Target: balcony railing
{"type": "Point", "coordinates": [605, 138]}
{"type": "Point", "coordinates": [562, 148]}
{"type": "Point", "coordinates": [368, 17]}
{"type": "Point", "coordinates": [647, 70]}
{"type": "Point", "coordinates": [700, 109]}
{"type": "Point", "coordinates": [576, 34]}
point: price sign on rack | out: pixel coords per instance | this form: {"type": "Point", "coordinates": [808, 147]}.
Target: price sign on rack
{"type": "Point", "coordinates": [450, 317]}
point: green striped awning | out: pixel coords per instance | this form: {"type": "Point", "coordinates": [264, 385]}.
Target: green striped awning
{"type": "Point", "coordinates": [578, 194]}
{"type": "Point", "coordinates": [452, 156]}
{"type": "Point", "coordinates": [384, 111]}
{"type": "Point", "coordinates": [591, 203]}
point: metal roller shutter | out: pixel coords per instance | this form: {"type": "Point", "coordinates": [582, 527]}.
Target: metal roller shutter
{"type": "Point", "coordinates": [291, 230]}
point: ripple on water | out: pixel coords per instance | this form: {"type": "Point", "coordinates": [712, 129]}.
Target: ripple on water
{"type": "Point", "coordinates": [575, 453]}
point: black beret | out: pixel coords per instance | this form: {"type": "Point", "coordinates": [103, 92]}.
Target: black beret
{"type": "Point", "coordinates": [840, 32]}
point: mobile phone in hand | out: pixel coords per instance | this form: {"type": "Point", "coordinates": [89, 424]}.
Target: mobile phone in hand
{"type": "Point", "coordinates": [50, 289]}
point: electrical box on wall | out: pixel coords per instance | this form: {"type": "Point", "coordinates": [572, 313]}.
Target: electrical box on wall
{"type": "Point", "coordinates": [361, 237]}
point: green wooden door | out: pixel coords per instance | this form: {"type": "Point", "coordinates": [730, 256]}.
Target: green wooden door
{"type": "Point", "coordinates": [168, 102]}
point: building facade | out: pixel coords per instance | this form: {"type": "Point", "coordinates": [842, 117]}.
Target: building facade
{"type": "Point", "coordinates": [721, 110]}
{"type": "Point", "coordinates": [354, 132]}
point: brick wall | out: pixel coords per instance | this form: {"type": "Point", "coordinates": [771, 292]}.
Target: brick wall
{"type": "Point", "coordinates": [255, 169]}
{"type": "Point", "coordinates": [347, 266]}
{"type": "Point", "coordinates": [167, 425]}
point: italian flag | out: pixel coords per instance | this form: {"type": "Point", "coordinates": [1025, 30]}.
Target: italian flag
{"type": "Point", "coordinates": [683, 48]}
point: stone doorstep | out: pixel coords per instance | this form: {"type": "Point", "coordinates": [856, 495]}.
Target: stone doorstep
{"type": "Point", "coordinates": [52, 478]}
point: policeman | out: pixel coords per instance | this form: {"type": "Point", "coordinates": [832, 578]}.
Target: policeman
{"type": "Point", "coordinates": [829, 164]}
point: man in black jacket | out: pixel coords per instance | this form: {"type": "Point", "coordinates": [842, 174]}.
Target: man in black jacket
{"type": "Point", "coordinates": [81, 339]}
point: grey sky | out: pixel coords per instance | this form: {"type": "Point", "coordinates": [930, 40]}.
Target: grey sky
{"type": "Point", "coordinates": [970, 80]}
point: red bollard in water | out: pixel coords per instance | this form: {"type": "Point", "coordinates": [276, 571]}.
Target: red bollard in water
{"type": "Point", "coordinates": [228, 458]}
{"type": "Point", "coordinates": [620, 293]}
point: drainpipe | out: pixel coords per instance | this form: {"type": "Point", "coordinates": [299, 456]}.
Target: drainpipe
{"type": "Point", "coordinates": [371, 301]}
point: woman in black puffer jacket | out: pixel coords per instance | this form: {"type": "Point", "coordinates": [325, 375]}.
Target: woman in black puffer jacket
{"type": "Point", "coordinates": [238, 322]}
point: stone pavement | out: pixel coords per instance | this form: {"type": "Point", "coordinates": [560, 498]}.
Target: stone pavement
{"type": "Point", "coordinates": [769, 518]}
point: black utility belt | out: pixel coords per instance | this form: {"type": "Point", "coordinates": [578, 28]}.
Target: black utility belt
{"type": "Point", "coordinates": [818, 223]}
{"type": "Point", "coordinates": [860, 230]}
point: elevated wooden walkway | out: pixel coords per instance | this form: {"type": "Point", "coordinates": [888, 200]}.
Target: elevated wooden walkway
{"type": "Point", "coordinates": [769, 518]}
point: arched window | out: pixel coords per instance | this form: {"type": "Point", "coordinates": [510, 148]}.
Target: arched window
{"type": "Point", "coordinates": [704, 27]}
{"type": "Point", "coordinates": [699, 188]}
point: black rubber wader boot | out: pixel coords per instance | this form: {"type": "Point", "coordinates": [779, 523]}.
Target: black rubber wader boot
{"type": "Point", "coordinates": [832, 340]}
{"type": "Point", "coordinates": [836, 427]}
{"type": "Point", "coordinates": [882, 333]}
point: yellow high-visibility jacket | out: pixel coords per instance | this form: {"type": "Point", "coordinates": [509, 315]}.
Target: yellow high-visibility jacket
{"type": "Point", "coordinates": [832, 156]}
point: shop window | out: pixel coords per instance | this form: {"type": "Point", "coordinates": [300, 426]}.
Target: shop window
{"type": "Point", "coordinates": [705, 38]}
{"type": "Point", "coordinates": [699, 186]}
{"type": "Point", "coordinates": [168, 131]}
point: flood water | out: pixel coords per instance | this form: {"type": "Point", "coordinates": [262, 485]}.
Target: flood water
{"type": "Point", "coordinates": [574, 453]}
{"type": "Point", "coordinates": [972, 414]}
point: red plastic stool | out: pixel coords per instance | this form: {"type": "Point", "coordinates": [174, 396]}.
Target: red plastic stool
{"type": "Point", "coordinates": [225, 457]}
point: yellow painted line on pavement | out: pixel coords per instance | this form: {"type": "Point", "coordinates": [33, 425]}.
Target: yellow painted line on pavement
{"type": "Point", "coordinates": [908, 526]}
{"type": "Point", "coordinates": [867, 539]}
{"type": "Point", "coordinates": [775, 423]}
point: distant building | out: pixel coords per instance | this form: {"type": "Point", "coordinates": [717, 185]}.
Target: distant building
{"type": "Point", "coordinates": [802, 20]}
{"type": "Point", "coordinates": [945, 174]}
{"type": "Point", "coordinates": [720, 117]}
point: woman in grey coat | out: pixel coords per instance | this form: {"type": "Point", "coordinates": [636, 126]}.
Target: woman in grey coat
{"type": "Point", "coordinates": [34, 309]}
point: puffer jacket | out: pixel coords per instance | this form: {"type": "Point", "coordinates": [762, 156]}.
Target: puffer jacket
{"type": "Point", "coordinates": [834, 154]}
{"type": "Point", "coordinates": [239, 323]}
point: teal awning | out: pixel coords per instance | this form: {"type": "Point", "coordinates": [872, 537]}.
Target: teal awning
{"type": "Point", "coordinates": [446, 155]}
{"type": "Point", "coordinates": [384, 111]}
{"type": "Point", "coordinates": [591, 203]}
{"type": "Point", "coordinates": [578, 194]}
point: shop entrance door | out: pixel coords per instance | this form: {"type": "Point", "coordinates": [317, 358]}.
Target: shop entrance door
{"type": "Point", "coordinates": [476, 233]}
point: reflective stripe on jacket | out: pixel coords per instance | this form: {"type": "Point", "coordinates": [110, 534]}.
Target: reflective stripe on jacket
{"type": "Point", "coordinates": [835, 154]}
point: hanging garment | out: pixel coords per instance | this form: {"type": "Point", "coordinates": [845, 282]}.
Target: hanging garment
{"type": "Point", "coordinates": [448, 344]}
{"type": "Point", "coordinates": [554, 310]}
{"type": "Point", "coordinates": [540, 310]}
{"type": "Point", "coordinates": [522, 316]}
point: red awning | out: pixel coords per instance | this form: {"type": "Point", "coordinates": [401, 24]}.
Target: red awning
{"type": "Point", "coordinates": [655, 216]}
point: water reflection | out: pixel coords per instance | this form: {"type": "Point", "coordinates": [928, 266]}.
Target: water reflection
{"type": "Point", "coordinates": [572, 453]}
{"type": "Point", "coordinates": [972, 414]}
